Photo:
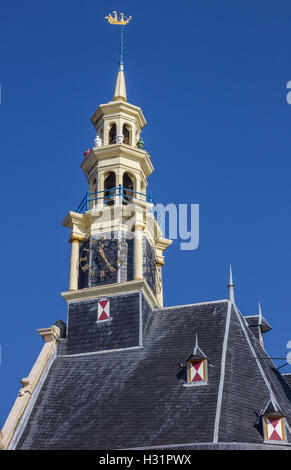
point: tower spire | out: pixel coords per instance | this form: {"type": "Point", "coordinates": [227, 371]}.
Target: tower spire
{"type": "Point", "coordinates": [231, 286]}
{"type": "Point", "coordinates": [120, 88]}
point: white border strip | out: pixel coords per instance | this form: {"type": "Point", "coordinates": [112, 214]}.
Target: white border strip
{"type": "Point", "coordinates": [222, 374]}
{"type": "Point", "coordinates": [140, 320]}
{"type": "Point", "coordinates": [190, 305]}
{"type": "Point", "coordinates": [27, 412]}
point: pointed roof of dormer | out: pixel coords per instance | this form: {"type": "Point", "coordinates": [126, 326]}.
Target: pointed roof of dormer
{"type": "Point", "coordinates": [272, 408]}
{"type": "Point", "coordinates": [197, 353]}
{"type": "Point", "coordinates": [258, 320]}
{"type": "Point", "coordinates": [120, 87]}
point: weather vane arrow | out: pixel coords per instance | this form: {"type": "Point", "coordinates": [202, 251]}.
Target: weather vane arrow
{"type": "Point", "coordinates": [121, 21]}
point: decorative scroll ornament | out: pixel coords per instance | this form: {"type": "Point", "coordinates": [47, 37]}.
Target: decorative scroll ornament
{"type": "Point", "coordinates": [115, 20]}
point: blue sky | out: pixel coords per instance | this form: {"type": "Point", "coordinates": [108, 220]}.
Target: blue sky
{"type": "Point", "coordinates": [211, 79]}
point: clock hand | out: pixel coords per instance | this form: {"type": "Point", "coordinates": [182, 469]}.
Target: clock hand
{"type": "Point", "coordinates": [101, 251]}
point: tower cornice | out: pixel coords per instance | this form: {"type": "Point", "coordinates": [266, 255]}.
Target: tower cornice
{"type": "Point", "coordinates": [112, 289]}
{"type": "Point", "coordinates": [115, 108]}
{"type": "Point", "coordinates": [98, 154]}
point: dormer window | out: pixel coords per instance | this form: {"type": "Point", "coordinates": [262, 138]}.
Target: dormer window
{"type": "Point", "coordinates": [274, 428]}
{"type": "Point", "coordinates": [196, 371]}
{"type": "Point", "coordinates": [273, 423]}
{"type": "Point", "coordinates": [109, 188]}
{"type": "Point", "coordinates": [196, 367]}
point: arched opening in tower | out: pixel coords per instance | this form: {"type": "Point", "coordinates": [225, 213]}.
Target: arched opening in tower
{"type": "Point", "coordinates": [128, 188]}
{"type": "Point", "coordinates": [109, 188]}
{"type": "Point", "coordinates": [126, 134]}
{"type": "Point", "coordinates": [93, 191]}
{"type": "Point", "coordinates": [112, 134]}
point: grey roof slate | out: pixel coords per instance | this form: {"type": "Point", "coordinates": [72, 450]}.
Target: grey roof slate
{"type": "Point", "coordinates": [135, 398]}
{"type": "Point", "coordinates": [255, 321]}
{"type": "Point", "coordinates": [287, 378]}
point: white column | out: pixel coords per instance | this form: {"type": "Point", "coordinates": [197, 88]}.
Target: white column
{"type": "Point", "coordinates": [159, 284]}
{"type": "Point", "coordinates": [74, 265]}
{"type": "Point", "coordinates": [138, 258]}
{"type": "Point", "coordinates": [100, 185]}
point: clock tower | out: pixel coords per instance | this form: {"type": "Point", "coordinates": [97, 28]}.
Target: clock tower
{"type": "Point", "coordinates": [124, 372]}
{"type": "Point", "coordinates": [117, 245]}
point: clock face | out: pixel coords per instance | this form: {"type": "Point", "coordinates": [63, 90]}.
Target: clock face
{"type": "Point", "coordinates": [100, 260]}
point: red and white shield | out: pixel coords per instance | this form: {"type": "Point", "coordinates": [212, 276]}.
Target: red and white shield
{"type": "Point", "coordinates": [103, 310]}
{"type": "Point", "coordinates": [274, 428]}
{"type": "Point", "coordinates": [196, 371]}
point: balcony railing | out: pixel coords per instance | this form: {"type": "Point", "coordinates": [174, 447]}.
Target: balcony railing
{"type": "Point", "coordinates": [118, 195]}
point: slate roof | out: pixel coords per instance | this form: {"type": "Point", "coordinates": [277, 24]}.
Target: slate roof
{"type": "Point", "coordinates": [287, 378]}
{"type": "Point", "coordinates": [135, 398]}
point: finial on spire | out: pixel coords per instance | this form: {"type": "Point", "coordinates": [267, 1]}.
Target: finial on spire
{"type": "Point", "coordinates": [197, 353]}
{"type": "Point", "coordinates": [123, 20]}
{"type": "Point", "coordinates": [115, 20]}
{"type": "Point", "coordinates": [196, 341]}
{"type": "Point", "coordinates": [231, 286]}
{"type": "Point", "coordinates": [120, 88]}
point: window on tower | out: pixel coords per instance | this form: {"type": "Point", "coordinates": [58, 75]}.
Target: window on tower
{"type": "Point", "coordinates": [93, 194]}
{"type": "Point", "coordinates": [112, 134]}
{"type": "Point", "coordinates": [109, 188]}
{"type": "Point", "coordinates": [127, 188]}
{"type": "Point", "coordinates": [126, 134]}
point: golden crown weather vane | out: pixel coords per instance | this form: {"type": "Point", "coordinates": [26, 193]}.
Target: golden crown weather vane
{"type": "Point", "coordinates": [115, 20]}
{"type": "Point", "coordinates": [123, 20]}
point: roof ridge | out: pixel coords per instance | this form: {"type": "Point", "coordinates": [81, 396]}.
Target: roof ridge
{"type": "Point", "coordinates": [222, 372]}
{"type": "Point", "coordinates": [193, 304]}
{"type": "Point", "coordinates": [269, 385]}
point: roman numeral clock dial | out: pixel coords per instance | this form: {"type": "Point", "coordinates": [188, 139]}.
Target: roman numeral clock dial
{"type": "Point", "coordinates": [100, 260]}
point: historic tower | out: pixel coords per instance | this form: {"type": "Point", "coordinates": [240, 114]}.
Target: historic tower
{"type": "Point", "coordinates": [117, 244]}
